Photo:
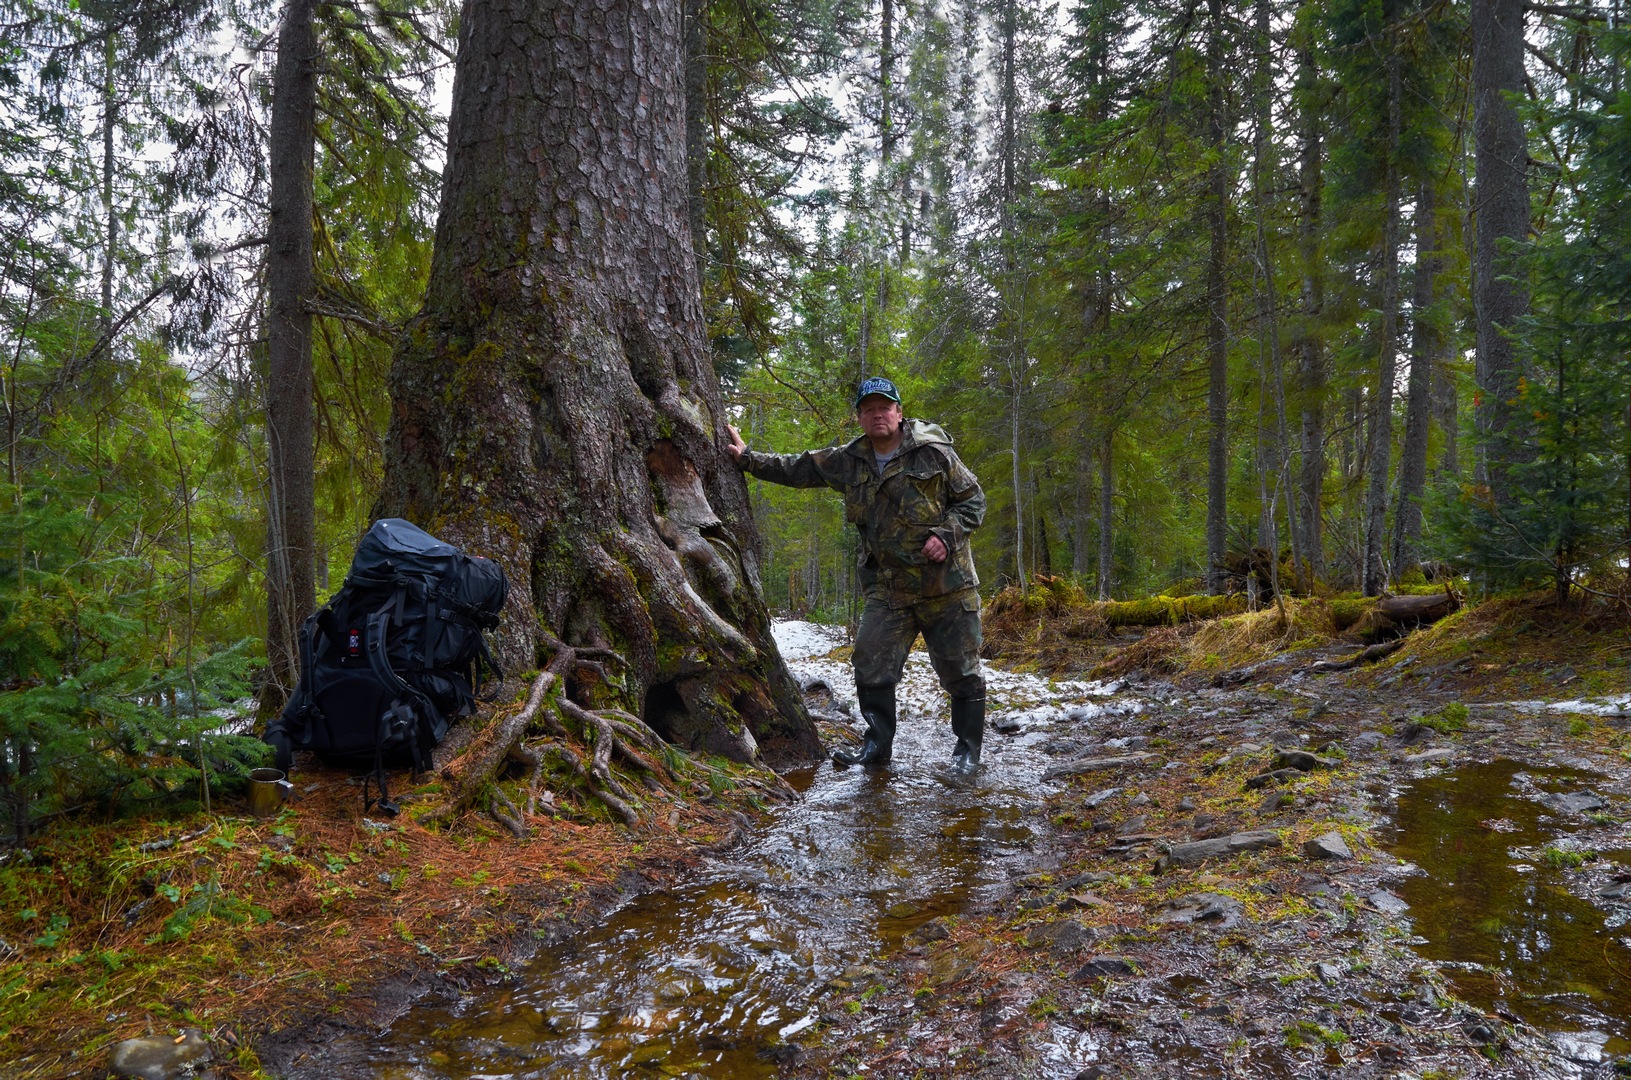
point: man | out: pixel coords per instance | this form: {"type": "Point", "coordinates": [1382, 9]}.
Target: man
{"type": "Point", "coordinates": [914, 504]}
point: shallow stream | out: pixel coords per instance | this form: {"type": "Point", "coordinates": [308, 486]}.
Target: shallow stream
{"type": "Point", "coordinates": [708, 977]}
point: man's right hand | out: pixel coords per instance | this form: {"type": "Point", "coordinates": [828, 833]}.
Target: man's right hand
{"type": "Point", "coordinates": [736, 447]}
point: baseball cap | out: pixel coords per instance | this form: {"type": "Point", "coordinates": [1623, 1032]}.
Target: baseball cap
{"type": "Point", "coordinates": [876, 385]}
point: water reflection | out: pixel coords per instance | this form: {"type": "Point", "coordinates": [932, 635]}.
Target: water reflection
{"type": "Point", "coordinates": [708, 978]}
{"type": "Point", "coordinates": [1521, 942]}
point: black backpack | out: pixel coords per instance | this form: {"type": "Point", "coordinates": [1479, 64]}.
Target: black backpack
{"type": "Point", "coordinates": [393, 656]}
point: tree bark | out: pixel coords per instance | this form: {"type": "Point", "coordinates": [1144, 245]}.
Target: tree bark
{"type": "Point", "coordinates": [1379, 445]}
{"type": "Point", "coordinates": [554, 406]}
{"type": "Point", "coordinates": [1107, 491]}
{"type": "Point", "coordinates": [1217, 299]}
{"type": "Point", "coordinates": [1424, 349]}
{"type": "Point", "coordinates": [1310, 346]}
{"type": "Point", "coordinates": [291, 541]}
{"type": "Point", "coordinates": [1500, 217]}
{"type": "Point", "coordinates": [696, 128]}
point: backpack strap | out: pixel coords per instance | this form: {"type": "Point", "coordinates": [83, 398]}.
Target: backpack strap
{"type": "Point", "coordinates": [409, 697]}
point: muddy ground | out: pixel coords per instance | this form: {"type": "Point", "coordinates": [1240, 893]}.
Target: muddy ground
{"type": "Point", "coordinates": [1331, 942]}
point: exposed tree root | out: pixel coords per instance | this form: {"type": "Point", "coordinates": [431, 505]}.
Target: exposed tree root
{"type": "Point", "coordinates": [611, 734]}
{"type": "Point", "coordinates": [1365, 656]}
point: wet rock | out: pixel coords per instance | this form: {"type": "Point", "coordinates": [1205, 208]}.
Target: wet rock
{"type": "Point", "coordinates": [1062, 937]}
{"type": "Point", "coordinates": [1099, 798]}
{"type": "Point", "coordinates": [933, 930]}
{"type": "Point", "coordinates": [1579, 802]}
{"type": "Point", "coordinates": [1302, 761]}
{"type": "Point", "coordinates": [1387, 903]}
{"type": "Point", "coordinates": [1277, 776]}
{"type": "Point", "coordinates": [1219, 847]}
{"type": "Point", "coordinates": [1329, 846]}
{"type": "Point", "coordinates": [1104, 967]}
{"type": "Point", "coordinates": [1209, 908]}
{"type": "Point", "coordinates": [1429, 757]}
{"type": "Point", "coordinates": [1617, 891]}
{"type": "Point", "coordinates": [160, 1057]}
{"type": "Point", "coordinates": [1100, 764]}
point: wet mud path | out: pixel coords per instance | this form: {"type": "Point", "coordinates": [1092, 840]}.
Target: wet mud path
{"type": "Point", "coordinates": [1409, 901]}
{"type": "Point", "coordinates": [712, 976]}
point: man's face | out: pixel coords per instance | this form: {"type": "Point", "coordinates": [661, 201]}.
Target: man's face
{"type": "Point", "coordinates": [879, 416]}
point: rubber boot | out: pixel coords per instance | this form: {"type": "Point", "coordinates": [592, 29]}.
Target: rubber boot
{"type": "Point", "coordinates": [878, 707]}
{"type": "Point", "coordinates": [968, 724]}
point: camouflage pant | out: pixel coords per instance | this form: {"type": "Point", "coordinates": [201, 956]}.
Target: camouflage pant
{"type": "Point", "coordinates": [950, 626]}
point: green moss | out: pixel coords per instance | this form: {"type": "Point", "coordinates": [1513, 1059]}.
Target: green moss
{"type": "Point", "coordinates": [1347, 611]}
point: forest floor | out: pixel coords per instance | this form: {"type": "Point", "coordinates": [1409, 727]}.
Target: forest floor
{"type": "Point", "coordinates": [1433, 884]}
{"type": "Point", "coordinates": [270, 937]}
{"type": "Point", "coordinates": [264, 934]}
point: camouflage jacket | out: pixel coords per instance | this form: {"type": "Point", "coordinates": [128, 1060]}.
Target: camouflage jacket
{"type": "Point", "coordinates": [924, 491]}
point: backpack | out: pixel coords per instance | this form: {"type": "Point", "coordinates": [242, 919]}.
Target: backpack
{"type": "Point", "coordinates": [393, 657]}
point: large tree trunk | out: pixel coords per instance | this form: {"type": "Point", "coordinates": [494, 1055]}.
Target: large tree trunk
{"type": "Point", "coordinates": [1418, 394]}
{"type": "Point", "coordinates": [1310, 346]}
{"type": "Point", "coordinates": [1500, 217]}
{"type": "Point", "coordinates": [1217, 324]}
{"type": "Point", "coordinates": [554, 404]}
{"type": "Point", "coordinates": [1380, 442]}
{"type": "Point", "coordinates": [291, 532]}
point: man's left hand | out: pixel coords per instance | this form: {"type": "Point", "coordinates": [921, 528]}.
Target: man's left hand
{"type": "Point", "coordinates": [935, 549]}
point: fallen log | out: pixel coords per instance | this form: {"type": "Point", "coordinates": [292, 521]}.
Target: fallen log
{"type": "Point", "coordinates": [1417, 610]}
{"type": "Point", "coordinates": [1368, 655]}
{"type": "Point", "coordinates": [1088, 765]}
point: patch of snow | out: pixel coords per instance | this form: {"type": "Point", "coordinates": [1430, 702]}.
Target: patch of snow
{"type": "Point", "coordinates": [1585, 706]}
{"type": "Point", "coordinates": [803, 640]}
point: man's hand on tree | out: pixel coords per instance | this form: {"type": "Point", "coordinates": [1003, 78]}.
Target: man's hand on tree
{"type": "Point", "coordinates": [736, 447]}
{"type": "Point", "coordinates": [935, 549]}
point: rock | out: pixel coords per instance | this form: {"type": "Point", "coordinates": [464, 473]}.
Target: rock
{"type": "Point", "coordinates": [1366, 740]}
{"type": "Point", "coordinates": [1133, 825]}
{"type": "Point", "coordinates": [1185, 805]}
{"type": "Point", "coordinates": [1579, 802]}
{"type": "Point", "coordinates": [1387, 903]}
{"type": "Point", "coordinates": [1428, 757]}
{"type": "Point", "coordinates": [1006, 724]}
{"type": "Point", "coordinates": [1329, 846]}
{"type": "Point", "coordinates": [1078, 901]}
{"type": "Point", "coordinates": [1099, 798]}
{"type": "Point", "coordinates": [1302, 761]}
{"type": "Point", "coordinates": [1235, 843]}
{"type": "Point", "coordinates": [933, 930]}
{"type": "Point", "coordinates": [1140, 799]}
{"type": "Point", "coordinates": [1101, 764]}
{"type": "Point", "coordinates": [1278, 776]}
{"type": "Point", "coordinates": [160, 1057]}
{"type": "Point", "coordinates": [1327, 971]}
{"type": "Point", "coordinates": [1284, 738]}
{"type": "Point", "coordinates": [1103, 967]}
{"type": "Point", "coordinates": [1215, 909]}
{"type": "Point", "coordinates": [1617, 891]}
{"type": "Point", "coordinates": [1064, 936]}
{"type": "Point", "coordinates": [1091, 877]}
{"type": "Point", "coordinates": [1274, 802]}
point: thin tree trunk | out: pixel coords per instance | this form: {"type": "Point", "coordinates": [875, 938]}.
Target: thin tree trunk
{"type": "Point", "coordinates": [290, 285]}
{"type": "Point", "coordinates": [1271, 418]}
{"type": "Point", "coordinates": [554, 404]}
{"type": "Point", "coordinates": [1310, 483]}
{"type": "Point", "coordinates": [1380, 442]}
{"type": "Point", "coordinates": [1424, 351]}
{"type": "Point", "coordinates": [1217, 325]}
{"type": "Point", "coordinates": [886, 146]}
{"type": "Point", "coordinates": [110, 235]}
{"type": "Point", "coordinates": [1107, 491]}
{"type": "Point", "coordinates": [1500, 216]}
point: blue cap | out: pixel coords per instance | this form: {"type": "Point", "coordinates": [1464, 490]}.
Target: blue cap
{"type": "Point", "coordinates": [876, 385]}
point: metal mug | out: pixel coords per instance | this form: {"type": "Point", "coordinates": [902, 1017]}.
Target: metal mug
{"type": "Point", "coordinates": [268, 791]}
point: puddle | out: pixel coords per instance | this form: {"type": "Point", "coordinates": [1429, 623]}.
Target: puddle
{"type": "Point", "coordinates": [709, 977]}
{"type": "Point", "coordinates": [1491, 903]}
